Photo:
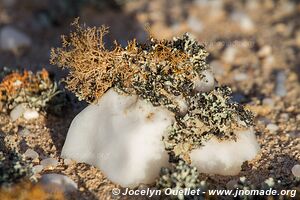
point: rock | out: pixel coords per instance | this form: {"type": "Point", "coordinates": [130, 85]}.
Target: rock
{"type": "Point", "coordinates": [244, 21]}
{"type": "Point", "coordinates": [23, 132]}
{"type": "Point", "coordinates": [58, 182]}
{"type": "Point", "coordinates": [12, 39]}
{"type": "Point", "coordinates": [17, 112]}
{"type": "Point", "coordinates": [122, 135]}
{"type": "Point", "coordinates": [270, 182]}
{"type": "Point", "coordinates": [225, 157]}
{"type": "Point", "coordinates": [31, 154]}
{"type": "Point", "coordinates": [37, 169]}
{"type": "Point", "coordinates": [272, 128]}
{"type": "Point", "coordinates": [265, 51]}
{"type": "Point", "coordinates": [49, 163]}
{"type": "Point", "coordinates": [268, 102]}
{"type": "Point", "coordinates": [229, 54]}
{"type": "Point", "coordinates": [296, 170]}
{"type": "Point", "coordinates": [68, 161]}
{"type": "Point", "coordinates": [280, 89]}
{"type": "Point", "coordinates": [30, 114]}
{"type": "Point", "coordinates": [231, 184]}
{"type": "Point", "coordinates": [240, 77]}
{"type": "Point", "coordinates": [195, 24]}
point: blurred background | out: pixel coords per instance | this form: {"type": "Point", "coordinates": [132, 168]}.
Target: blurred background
{"type": "Point", "coordinates": [253, 44]}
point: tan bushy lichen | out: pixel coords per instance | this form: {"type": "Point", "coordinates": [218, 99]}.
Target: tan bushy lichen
{"type": "Point", "coordinates": [34, 90]}
{"type": "Point", "coordinates": [156, 70]}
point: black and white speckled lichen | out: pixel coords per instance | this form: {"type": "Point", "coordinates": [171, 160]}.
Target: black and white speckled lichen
{"type": "Point", "coordinates": [209, 114]}
{"type": "Point", "coordinates": [13, 168]}
{"type": "Point", "coordinates": [179, 177]}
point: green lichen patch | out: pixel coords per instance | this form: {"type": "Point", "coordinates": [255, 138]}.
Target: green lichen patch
{"type": "Point", "coordinates": [210, 114]}
{"type": "Point", "coordinates": [13, 168]}
{"type": "Point", "coordinates": [34, 90]}
{"type": "Point", "coordinates": [180, 177]}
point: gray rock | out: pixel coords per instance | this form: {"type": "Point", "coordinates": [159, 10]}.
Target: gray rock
{"type": "Point", "coordinates": [23, 132]}
{"type": "Point", "coordinates": [31, 154]}
{"type": "Point", "coordinates": [58, 182]}
{"type": "Point", "coordinates": [296, 170]}
{"type": "Point", "coordinates": [268, 102]}
{"type": "Point", "coordinates": [195, 24]}
{"type": "Point", "coordinates": [240, 77]}
{"type": "Point", "coordinates": [244, 21]}
{"type": "Point", "coordinates": [37, 169]}
{"type": "Point", "coordinates": [272, 128]}
{"type": "Point", "coordinates": [49, 163]}
{"type": "Point", "coordinates": [280, 89]}
{"type": "Point", "coordinates": [17, 112]}
{"type": "Point", "coordinates": [68, 161]}
{"type": "Point", "coordinates": [12, 39]}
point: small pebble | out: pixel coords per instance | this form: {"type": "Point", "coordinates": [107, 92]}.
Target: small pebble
{"type": "Point", "coordinates": [195, 24]}
{"type": "Point", "coordinates": [229, 54]}
{"type": "Point", "coordinates": [231, 184]}
{"type": "Point", "coordinates": [37, 169]}
{"type": "Point", "coordinates": [270, 182]}
{"type": "Point", "coordinates": [49, 163]}
{"type": "Point", "coordinates": [17, 112]}
{"type": "Point", "coordinates": [284, 117]}
{"type": "Point", "coordinates": [272, 128]}
{"type": "Point", "coordinates": [244, 21]}
{"type": "Point", "coordinates": [31, 154]}
{"type": "Point", "coordinates": [12, 39]}
{"type": "Point", "coordinates": [68, 161]}
{"type": "Point", "coordinates": [58, 182]}
{"type": "Point", "coordinates": [243, 179]}
{"type": "Point", "coordinates": [30, 114]}
{"type": "Point", "coordinates": [265, 51]}
{"type": "Point", "coordinates": [240, 77]}
{"type": "Point", "coordinates": [296, 170]}
{"type": "Point", "coordinates": [268, 102]}
{"type": "Point", "coordinates": [23, 132]}
{"type": "Point", "coordinates": [280, 89]}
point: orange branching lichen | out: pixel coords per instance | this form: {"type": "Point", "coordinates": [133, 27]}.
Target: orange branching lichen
{"type": "Point", "coordinates": [28, 191]}
{"type": "Point", "coordinates": [33, 89]}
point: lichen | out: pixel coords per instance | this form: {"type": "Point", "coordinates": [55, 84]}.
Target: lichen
{"type": "Point", "coordinates": [160, 71]}
{"type": "Point", "coordinates": [34, 90]}
{"type": "Point", "coordinates": [28, 190]}
{"type": "Point", "coordinates": [209, 114]}
{"type": "Point", "coordinates": [13, 168]}
{"type": "Point", "coordinates": [179, 177]}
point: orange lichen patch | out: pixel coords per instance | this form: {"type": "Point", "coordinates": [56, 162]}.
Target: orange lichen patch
{"type": "Point", "coordinates": [27, 87]}
{"type": "Point", "coordinates": [28, 191]}
{"type": "Point", "coordinates": [12, 83]}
